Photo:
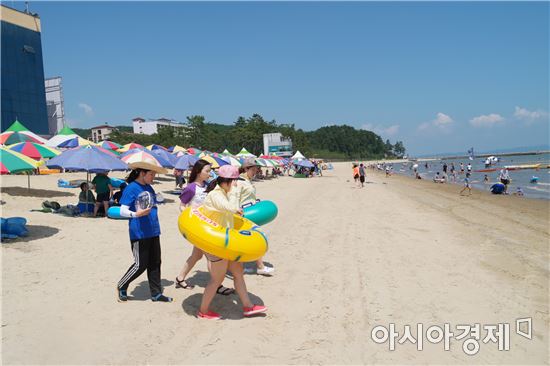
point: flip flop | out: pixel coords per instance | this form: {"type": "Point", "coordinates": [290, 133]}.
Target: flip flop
{"type": "Point", "coordinates": [226, 291]}
{"type": "Point", "coordinates": [184, 284]}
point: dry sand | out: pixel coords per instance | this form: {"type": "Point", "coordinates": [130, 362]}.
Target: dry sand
{"type": "Point", "coordinates": [347, 259]}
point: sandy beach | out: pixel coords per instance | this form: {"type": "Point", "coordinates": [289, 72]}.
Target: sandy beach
{"type": "Point", "coordinates": [347, 259]}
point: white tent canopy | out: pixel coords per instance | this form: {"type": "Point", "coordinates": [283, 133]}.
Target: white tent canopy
{"type": "Point", "coordinates": [298, 156]}
{"type": "Point", "coordinates": [245, 154]}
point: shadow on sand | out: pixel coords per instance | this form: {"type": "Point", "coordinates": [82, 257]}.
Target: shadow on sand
{"type": "Point", "coordinates": [33, 192]}
{"type": "Point", "coordinates": [142, 293]}
{"type": "Point", "coordinates": [35, 232]}
{"type": "Point", "coordinates": [229, 307]}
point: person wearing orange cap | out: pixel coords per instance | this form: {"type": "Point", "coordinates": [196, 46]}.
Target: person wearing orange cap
{"type": "Point", "coordinates": [221, 203]}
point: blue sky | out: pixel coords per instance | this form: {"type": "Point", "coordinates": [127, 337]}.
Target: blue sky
{"type": "Point", "coordinates": [439, 76]}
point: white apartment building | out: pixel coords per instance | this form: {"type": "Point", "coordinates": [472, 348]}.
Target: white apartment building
{"type": "Point", "coordinates": [152, 126]}
{"type": "Point", "coordinates": [100, 133]}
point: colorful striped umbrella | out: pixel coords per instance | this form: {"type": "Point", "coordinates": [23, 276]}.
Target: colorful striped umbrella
{"type": "Point", "coordinates": [34, 150]}
{"type": "Point", "coordinates": [231, 160]}
{"type": "Point", "coordinates": [18, 127]}
{"type": "Point", "coordinates": [10, 137]}
{"type": "Point", "coordinates": [177, 148]}
{"type": "Point", "coordinates": [131, 145]}
{"type": "Point", "coordinates": [110, 145]}
{"type": "Point", "coordinates": [194, 151]}
{"type": "Point", "coordinates": [14, 162]}
{"type": "Point", "coordinates": [156, 147]}
{"type": "Point", "coordinates": [76, 142]}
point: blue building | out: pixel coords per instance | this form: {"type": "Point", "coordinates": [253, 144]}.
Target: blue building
{"type": "Point", "coordinates": [23, 90]}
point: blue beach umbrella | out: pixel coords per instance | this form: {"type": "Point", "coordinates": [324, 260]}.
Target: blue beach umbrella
{"type": "Point", "coordinates": [185, 162]}
{"type": "Point", "coordinates": [91, 159]}
{"type": "Point", "coordinates": [165, 159]}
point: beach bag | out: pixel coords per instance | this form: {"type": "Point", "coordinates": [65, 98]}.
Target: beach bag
{"type": "Point", "coordinates": [51, 205]}
{"type": "Point", "coordinates": [69, 210]}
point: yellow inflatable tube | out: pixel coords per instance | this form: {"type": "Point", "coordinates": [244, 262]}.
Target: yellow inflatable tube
{"type": "Point", "coordinates": [244, 243]}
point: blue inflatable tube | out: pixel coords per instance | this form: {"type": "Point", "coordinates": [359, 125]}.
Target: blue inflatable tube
{"type": "Point", "coordinates": [261, 213]}
{"type": "Point", "coordinates": [114, 213]}
{"type": "Point", "coordinates": [116, 182]}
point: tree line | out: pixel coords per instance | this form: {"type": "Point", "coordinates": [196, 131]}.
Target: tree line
{"type": "Point", "coordinates": [335, 142]}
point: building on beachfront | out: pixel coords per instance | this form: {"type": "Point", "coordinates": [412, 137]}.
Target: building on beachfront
{"type": "Point", "coordinates": [100, 133]}
{"type": "Point", "coordinates": [54, 105]}
{"type": "Point", "coordinates": [276, 144]}
{"type": "Point", "coordinates": [23, 89]}
{"type": "Point", "coordinates": [150, 127]}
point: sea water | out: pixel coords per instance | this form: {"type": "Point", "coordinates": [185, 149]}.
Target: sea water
{"type": "Point", "coordinates": [520, 178]}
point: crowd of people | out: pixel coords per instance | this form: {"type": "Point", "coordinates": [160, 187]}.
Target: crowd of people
{"type": "Point", "coordinates": [221, 196]}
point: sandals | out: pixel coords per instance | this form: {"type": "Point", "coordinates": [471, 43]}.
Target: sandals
{"type": "Point", "coordinates": [225, 290]}
{"type": "Point", "coordinates": [184, 284]}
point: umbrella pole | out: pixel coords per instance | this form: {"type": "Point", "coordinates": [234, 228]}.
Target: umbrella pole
{"type": "Point", "coordinates": [28, 181]}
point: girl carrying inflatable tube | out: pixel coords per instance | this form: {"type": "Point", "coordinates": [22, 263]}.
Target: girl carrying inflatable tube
{"type": "Point", "coordinates": [248, 170]}
{"type": "Point", "coordinates": [221, 203]}
{"type": "Point", "coordinates": [193, 195]}
{"type": "Point", "coordinates": [138, 203]}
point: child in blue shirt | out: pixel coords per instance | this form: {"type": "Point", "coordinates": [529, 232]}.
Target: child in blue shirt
{"type": "Point", "coordinates": [144, 233]}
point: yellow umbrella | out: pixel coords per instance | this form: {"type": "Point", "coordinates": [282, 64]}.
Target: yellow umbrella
{"type": "Point", "coordinates": [178, 148]}
{"type": "Point", "coordinates": [211, 160]}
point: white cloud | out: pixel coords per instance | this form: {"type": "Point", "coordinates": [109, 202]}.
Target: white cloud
{"type": "Point", "coordinates": [529, 116]}
{"type": "Point", "coordinates": [381, 130]}
{"type": "Point", "coordinates": [488, 120]}
{"type": "Point", "coordinates": [87, 109]}
{"type": "Point", "coordinates": [441, 122]}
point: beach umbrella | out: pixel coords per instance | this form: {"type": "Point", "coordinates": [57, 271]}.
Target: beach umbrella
{"type": "Point", "coordinates": [156, 147]}
{"type": "Point", "coordinates": [261, 162]}
{"type": "Point", "coordinates": [165, 159]}
{"type": "Point", "coordinates": [194, 151]}
{"type": "Point", "coordinates": [226, 152]}
{"type": "Point", "coordinates": [305, 163]}
{"type": "Point", "coordinates": [132, 151]}
{"type": "Point", "coordinates": [14, 162]}
{"type": "Point", "coordinates": [213, 161]}
{"type": "Point", "coordinates": [19, 127]}
{"type": "Point", "coordinates": [91, 159]}
{"type": "Point", "coordinates": [231, 160]}
{"type": "Point", "coordinates": [34, 150]}
{"type": "Point", "coordinates": [131, 145]}
{"type": "Point", "coordinates": [59, 139]}
{"type": "Point", "coordinates": [75, 142]}
{"type": "Point", "coordinates": [177, 148]}
{"type": "Point", "coordinates": [10, 138]}
{"type": "Point", "coordinates": [106, 144]}
{"type": "Point", "coordinates": [185, 162]}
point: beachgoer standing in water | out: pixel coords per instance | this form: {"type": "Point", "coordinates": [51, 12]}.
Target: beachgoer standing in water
{"type": "Point", "coordinates": [504, 177]}
{"type": "Point", "coordinates": [138, 202]}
